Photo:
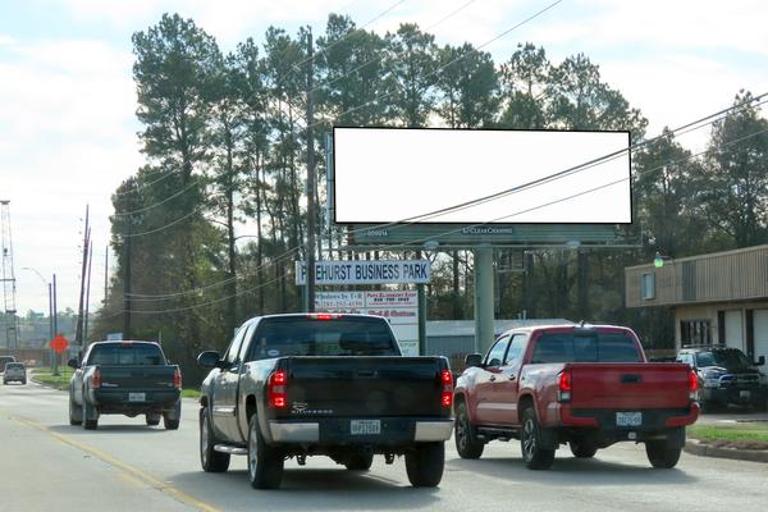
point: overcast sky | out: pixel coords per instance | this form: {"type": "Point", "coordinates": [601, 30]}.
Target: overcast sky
{"type": "Point", "coordinates": [67, 100]}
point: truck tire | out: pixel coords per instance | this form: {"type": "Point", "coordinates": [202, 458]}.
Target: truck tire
{"type": "Point", "coordinates": [75, 412]}
{"type": "Point", "coordinates": [265, 463]}
{"type": "Point", "coordinates": [534, 455]}
{"type": "Point", "coordinates": [152, 419]}
{"type": "Point", "coordinates": [90, 415]}
{"type": "Point", "coordinates": [172, 419]}
{"type": "Point", "coordinates": [425, 464]}
{"type": "Point", "coordinates": [582, 449]}
{"type": "Point", "coordinates": [467, 444]}
{"type": "Point", "coordinates": [211, 460]}
{"type": "Point", "coordinates": [660, 455]}
{"type": "Point", "coordinates": [360, 461]}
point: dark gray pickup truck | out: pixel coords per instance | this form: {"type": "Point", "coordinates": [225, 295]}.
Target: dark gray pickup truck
{"type": "Point", "coordinates": [319, 384]}
{"type": "Point", "coordinates": [125, 377]}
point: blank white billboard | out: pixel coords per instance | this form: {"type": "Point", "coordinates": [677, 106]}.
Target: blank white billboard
{"type": "Point", "coordinates": [385, 175]}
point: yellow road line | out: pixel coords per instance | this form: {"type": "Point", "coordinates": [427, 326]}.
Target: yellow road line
{"type": "Point", "coordinates": [127, 469]}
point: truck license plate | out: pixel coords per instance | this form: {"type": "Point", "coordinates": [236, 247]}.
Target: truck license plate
{"type": "Point", "coordinates": [744, 394]}
{"type": "Point", "coordinates": [629, 419]}
{"type": "Point", "coordinates": [137, 397]}
{"type": "Point", "coordinates": [365, 427]}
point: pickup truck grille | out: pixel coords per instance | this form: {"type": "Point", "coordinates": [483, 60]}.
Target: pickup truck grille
{"type": "Point", "coordinates": [745, 381]}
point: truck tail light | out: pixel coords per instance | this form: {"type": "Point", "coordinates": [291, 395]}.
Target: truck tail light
{"type": "Point", "coordinates": [277, 397]}
{"type": "Point", "coordinates": [324, 316]}
{"type": "Point", "coordinates": [446, 383]}
{"type": "Point", "coordinates": [177, 378]}
{"type": "Point", "coordinates": [693, 385]}
{"type": "Point", "coordinates": [96, 379]}
{"type": "Point", "coordinates": [564, 386]}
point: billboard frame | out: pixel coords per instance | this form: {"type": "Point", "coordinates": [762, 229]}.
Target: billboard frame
{"type": "Point", "coordinates": [333, 197]}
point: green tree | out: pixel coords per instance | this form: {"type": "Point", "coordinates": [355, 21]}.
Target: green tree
{"type": "Point", "coordinates": [467, 85]}
{"type": "Point", "coordinates": [736, 179]}
{"type": "Point", "coordinates": [524, 79]}
{"type": "Point", "coordinates": [412, 59]}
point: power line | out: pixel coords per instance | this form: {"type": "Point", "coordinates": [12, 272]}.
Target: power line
{"type": "Point", "coordinates": [139, 297]}
{"type": "Point", "coordinates": [445, 18]}
{"type": "Point", "coordinates": [461, 57]}
{"type": "Point", "coordinates": [452, 231]}
{"type": "Point", "coordinates": [165, 226]}
{"type": "Point", "coordinates": [693, 125]}
{"type": "Point", "coordinates": [297, 66]}
{"type": "Point", "coordinates": [191, 185]}
{"type": "Point", "coordinates": [685, 128]}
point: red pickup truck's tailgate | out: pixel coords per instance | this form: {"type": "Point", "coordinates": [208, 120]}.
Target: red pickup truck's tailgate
{"type": "Point", "coordinates": [629, 385]}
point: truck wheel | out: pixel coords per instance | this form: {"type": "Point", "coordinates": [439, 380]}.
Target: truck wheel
{"type": "Point", "coordinates": [534, 456]}
{"type": "Point", "coordinates": [152, 419]}
{"type": "Point", "coordinates": [660, 455]}
{"type": "Point", "coordinates": [75, 412]}
{"type": "Point", "coordinates": [265, 463]}
{"type": "Point", "coordinates": [583, 449]}
{"type": "Point", "coordinates": [425, 464]}
{"type": "Point", "coordinates": [468, 446]}
{"type": "Point", "coordinates": [90, 415]}
{"type": "Point", "coordinates": [360, 461]}
{"type": "Point", "coordinates": [171, 419]}
{"type": "Point", "coordinates": [211, 460]}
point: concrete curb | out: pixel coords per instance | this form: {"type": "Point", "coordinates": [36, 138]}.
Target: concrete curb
{"type": "Point", "coordinates": [695, 447]}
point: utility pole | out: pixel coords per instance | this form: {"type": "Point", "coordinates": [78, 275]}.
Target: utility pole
{"type": "Point", "coordinates": [127, 270]}
{"type": "Point", "coordinates": [55, 327]}
{"type": "Point", "coordinates": [83, 270]}
{"type": "Point", "coordinates": [106, 273]}
{"type": "Point", "coordinates": [309, 293]}
{"type": "Point", "coordinates": [87, 293]}
{"type": "Point", "coordinates": [329, 191]}
{"type": "Point", "coordinates": [51, 331]}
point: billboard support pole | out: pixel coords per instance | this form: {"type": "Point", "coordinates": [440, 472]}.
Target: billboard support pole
{"type": "Point", "coordinates": [484, 328]}
{"type": "Point", "coordinates": [422, 299]}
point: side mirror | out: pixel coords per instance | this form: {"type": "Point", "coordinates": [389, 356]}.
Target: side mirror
{"type": "Point", "coordinates": [73, 363]}
{"type": "Point", "coordinates": [208, 359]}
{"type": "Point", "coordinates": [760, 361]}
{"type": "Point", "coordinates": [473, 360]}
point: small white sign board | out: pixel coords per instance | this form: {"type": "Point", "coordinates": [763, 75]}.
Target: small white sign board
{"type": "Point", "coordinates": [399, 307]}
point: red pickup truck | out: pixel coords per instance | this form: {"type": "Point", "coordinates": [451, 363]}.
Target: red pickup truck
{"type": "Point", "coordinates": [588, 386]}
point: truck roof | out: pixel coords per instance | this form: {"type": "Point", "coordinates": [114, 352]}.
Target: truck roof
{"type": "Point", "coordinates": [565, 328]}
{"type": "Point", "coordinates": [304, 315]}
{"type": "Point", "coordinates": [124, 342]}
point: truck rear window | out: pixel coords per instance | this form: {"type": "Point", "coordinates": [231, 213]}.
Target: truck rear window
{"type": "Point", "coordinates": [305, 336]}
{"type": "Point", "coordinates": [127, 354]}
{"type": "Point", "coordinates": [586, 348]}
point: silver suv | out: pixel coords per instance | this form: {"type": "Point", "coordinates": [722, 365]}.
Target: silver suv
{"type": "Point", "coordinates": [15, 372]}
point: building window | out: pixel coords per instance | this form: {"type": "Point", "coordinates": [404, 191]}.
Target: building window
{"type": "Point", "coordinates": [648, 286]}
{"type": "Point", "coordinates": [695, 332]}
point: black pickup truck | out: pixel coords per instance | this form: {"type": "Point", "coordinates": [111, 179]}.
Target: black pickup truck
{"type": "Point", "coordinates": [298, 385]}
{"type": "Point", "coordinates": [125, 377]}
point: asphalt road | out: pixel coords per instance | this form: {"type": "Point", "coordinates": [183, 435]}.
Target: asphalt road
{"type": "Point", "coordinates": [45, 464]}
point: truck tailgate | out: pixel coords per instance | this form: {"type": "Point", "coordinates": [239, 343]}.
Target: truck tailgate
{"type": "Point", "coordinates": [629, 385]}
{"type": "Point", "coordinates": [364, 386]}
{"type": "Point", "coordinates": [143, 378]}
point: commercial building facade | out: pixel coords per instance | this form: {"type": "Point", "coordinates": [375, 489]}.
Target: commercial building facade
{"type": "Point", "coordinates": [718, 298]}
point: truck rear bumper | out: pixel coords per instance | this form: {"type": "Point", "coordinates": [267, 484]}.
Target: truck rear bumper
{"type": "Point", "coordinates": [118, 402]}
{"type": "Point", "coordinates": [652, 419]}
{"type": "Point", "coordinates": [337, 431]}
